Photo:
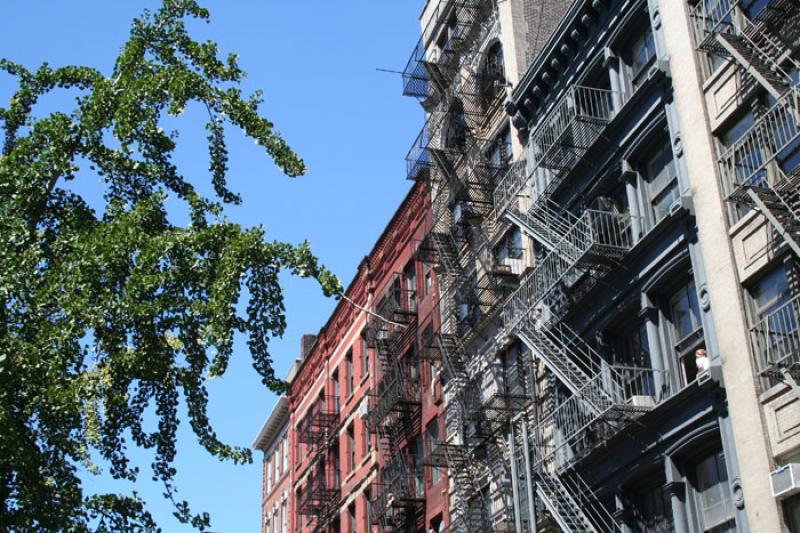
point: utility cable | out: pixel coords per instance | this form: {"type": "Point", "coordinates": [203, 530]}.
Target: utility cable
{"type": "Point", "coordinates": [376, 315]}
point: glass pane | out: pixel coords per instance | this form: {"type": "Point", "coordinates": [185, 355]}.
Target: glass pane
{"type": "Point", "coordinates": [771, 292]}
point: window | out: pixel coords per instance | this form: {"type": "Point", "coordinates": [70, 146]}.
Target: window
{"type": "Point", "coordinates": [365, 444]}
{"type": "Point", "coordinates": [410, 275]}
{"type": "Point", "coordinates": [684, 313]}
{"type": "Point", "coordinates": [351, 516]}
{"type": "Point", "coordinates": [350, 372]}
{"type": "Point", "coordinates": [364, 355]}
{"type": "Point", "coordinates": [335, 383]}
{"type": "Point", "coordinates": [712, 495]}
{"type": "Point", "coordinates": [351, 447]}
{"type": "Point", "coordinates": [428, 280]}
{"type": "Point", "coordinates": [456, 131]}
{"type": "Point", "coordinates": [493, 77]}
{"type": "Point", "coordinates": [499, 154]}
{"type": "Point", "coordinates": [774, 331]}
{"type": "Point", "coordinates": [284, 517]}
{"type": "Point", "coordinates": [277, 462]}
{"type": "Point", "coordinates": [269, 474]}
{"type": "Point", "coordinates": [419, 469]}
{"type": "Point", "coordinates": [432, 434]}
{"type": "Point", "coordinates": [275, 520]}
{"type": "Point", "coordinates": [286, 453]}
{"type": "Point", "coordinates": [267, 525]}
{"type": "Point", "coordinates": [337, 469]}
{"type": "Point", "coordinates": [514, 373]}
{"type": "Point", "coordinates": [661, 176]}
{"type": "Point", "coordinates": [368, 505]}
{"type": "Point", "coordinates": [643, 53]}
{"type": "Point", "coordinates": [652, 510]}
{"type": "Point", "coordinates": [509, 250]}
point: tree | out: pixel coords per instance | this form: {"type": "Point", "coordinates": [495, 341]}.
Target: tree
{"type": "Point", "coordinates": [108, 311]}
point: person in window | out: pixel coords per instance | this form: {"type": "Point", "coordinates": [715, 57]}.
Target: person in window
{"type": "Point", "coordinates": [701, 360]}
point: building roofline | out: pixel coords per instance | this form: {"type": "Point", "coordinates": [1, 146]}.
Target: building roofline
{"type": "Point", "coordinates": [538, 63]}
{"type": "Point", "coordinates": [277, 418]}
{"type": "Point", "coordinates": [363, 264]}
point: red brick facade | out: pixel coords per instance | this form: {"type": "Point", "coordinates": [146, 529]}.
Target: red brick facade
{"type": "Point", "coordinates": [337, 454]}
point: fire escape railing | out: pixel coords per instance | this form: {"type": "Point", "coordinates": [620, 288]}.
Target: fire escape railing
{"type": "Point", "coordinates": [395, 491]}
{"type": "Point", "coordinates": [319, 424]}
{"type": "Point", "coordinates": [749, 162]}
{"type": "Point", "coordinates": [415, 76]}
{"type": "Point", "coordinates": [758, 169]}
{"type": "Point", "coordinates": [320, 497]}
{"type": "Point", "coordinates": [595, 236]}
{"type": "Point", "coordinates": [776, 339]}
{"type": "Point", "coordinates": [723, 28]}
{"type": "Point", "coordinates": [561, 139]}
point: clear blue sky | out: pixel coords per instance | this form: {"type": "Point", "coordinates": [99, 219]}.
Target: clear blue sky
{"type": "Point", "coordinates": [315, 61]}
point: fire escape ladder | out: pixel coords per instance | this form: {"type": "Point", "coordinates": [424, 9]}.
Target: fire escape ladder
{"type": "Point", "coordinates": [721, 28]}
{"type": "Point", "coordinates": [595, 239]}
{"type": "Point", "coordinates": [573, 361]}
{"type": "Point", "coordinates": [752, 169]}
{"type": "Point", "coordinates": [546, 223]}
{"type": "Point", "coordinates": [565, 509]}
{"type": "Point", "coordinates": [745, 50]}
{"type": "Point", "coordinates": [776, 341]}
{"type": "Point", "coordinates": [779, 214]}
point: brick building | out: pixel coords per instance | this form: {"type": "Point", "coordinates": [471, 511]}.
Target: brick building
{"type": "Point", "coordinates": [584, 316]}
{"type": "Point", "coordinates": [273, 440]}
{"type": "Point", "coordinates": [365, 402]}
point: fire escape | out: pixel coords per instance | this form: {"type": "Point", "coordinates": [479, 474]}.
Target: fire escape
{"type": "Point", "coordinates": [581, 248]}
{"type": "Point", "coordinates": [761, 168]}
{"type": "Point", "coordinates": [450, 155]}
{"type": "Point", "coordinates": [394, 413]}
{"type": "Point", "coordinates": [319, 499]}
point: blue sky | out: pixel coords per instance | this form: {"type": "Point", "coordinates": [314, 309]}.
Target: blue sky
{"type": "Point", "coordinates": [316, 61]}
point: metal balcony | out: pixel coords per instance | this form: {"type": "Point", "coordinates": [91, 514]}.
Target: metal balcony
{"type": "Point", "coordinates": [776, 341]}
{"type": "Point", "coordinates": [761, 167]}
{"type": "Point", "coordinates": [594, 238]}
{"type": "Point", "coordinates": [572, 126]}
{"type": "Point", "coordinates": [509, 187]}
{"type": "Point", "coordinates": [573, 430]}
{"type": "Point", "coordinates": [415, 75]}
{"type": "Point", "coordinates": [418, 158]}
{"type": "Point", "coordinates": [398, 392]}
{"type": "Point", "coordinates": [395, 492]}
{"type": "Point", "coordinates": [320, 422]}
{"type": "Point", "coordinates": [320, 497]}
{"type": "Point", "coordinates": [721, 27]}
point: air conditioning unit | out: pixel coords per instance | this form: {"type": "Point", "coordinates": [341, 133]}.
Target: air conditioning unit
{"type": "Point", "coordinates": [643, 401]}
{"type": "Point", "coordinates": [463, 212]}
{"type": "Point", "coordinates": [785, 481]}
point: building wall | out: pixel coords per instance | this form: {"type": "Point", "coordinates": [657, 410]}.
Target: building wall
{"type": "Point", "coordinates": [737, 410]}
{"type": "Point", "coordinates": [326, 370]}
{"type": "Point", "coordinates": [277, 485]}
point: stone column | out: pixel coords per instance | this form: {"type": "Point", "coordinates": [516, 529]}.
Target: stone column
{"type": "Point", "coordinates": [722, 293]}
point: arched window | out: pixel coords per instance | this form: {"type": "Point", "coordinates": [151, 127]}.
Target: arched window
{"type": "Point", "coordinates": [456, 133]}
{"type": "Point", "coordinates": [493, 75]}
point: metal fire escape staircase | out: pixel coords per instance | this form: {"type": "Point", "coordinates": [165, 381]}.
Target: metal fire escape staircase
{"type": "Point", "coordinates": [761, 169]}
{"type": "Point", "coordinates": [722, 28]}
{"type": "Point", "coordinates": [561, 139]}
{"type": "Point", "coordinates": [594, 238]}
{"type": "Point", "coordinates": [317, 430]}
{"type": "Point", "coordinates": [394, 412]}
